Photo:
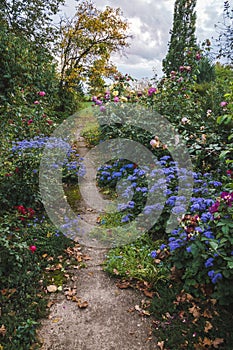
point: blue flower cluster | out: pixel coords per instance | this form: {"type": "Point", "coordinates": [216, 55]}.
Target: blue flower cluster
{"type": "Point", "coordinates": [214, 276]}
{"type": "Point", "coordinates": [72, 163]}
{"type": "Point", "coordinates": [163, 177]}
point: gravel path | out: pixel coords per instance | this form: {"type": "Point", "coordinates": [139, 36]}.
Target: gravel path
{"type": "Point", "coordinates": [99, 315]}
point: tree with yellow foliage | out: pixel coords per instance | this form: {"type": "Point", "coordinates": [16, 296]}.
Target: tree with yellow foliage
{"type": "Point", "coordinates": [87, 42]}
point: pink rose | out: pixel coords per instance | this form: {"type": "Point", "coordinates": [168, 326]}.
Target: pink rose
{"type": "Point", "coordinates": [32, 248]}
{"type": "Point", "coordinates": [41, 93]}
{"type": "Point", "coordinates": [152, 91]}
{"type": "Point", "coordinates": [36, 102]}
{"type": "Point", "coordinates": [116, 99]}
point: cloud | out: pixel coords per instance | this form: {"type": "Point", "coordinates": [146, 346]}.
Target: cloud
{"type": "Point", "coordinates": [150, 22]}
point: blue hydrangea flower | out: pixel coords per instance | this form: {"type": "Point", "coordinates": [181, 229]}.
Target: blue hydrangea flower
{"type": "Point", "coordinates": [153, 254]}
{"type": "Point", "coordinates": [209, 262]}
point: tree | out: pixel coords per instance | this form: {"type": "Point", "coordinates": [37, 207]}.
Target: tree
{"type": "Point", "coordinates": [225, 39]}
{"type": "Point", "coordinates": [88, 41]}
{"type": "Point", "coordinates": [30, 19]}
{"type": "Point", "coordinates": [26, 37]}
{"type": "Point", "coordinates": [182, 36]}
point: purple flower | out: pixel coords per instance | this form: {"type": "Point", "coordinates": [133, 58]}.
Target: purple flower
{"type": "Point", "coordinates": [208, 234]}
{"type": "Point", "coordinates": [209, 262]}
{"type": "Point", "coordinates": [153, 254]}
{"type": "Point", "coordinates": [98, 102]}
{"type": "Point", "coordinates": [217, 277]}
{"type": "Point", "coordinates": [214, 208]}
{"type": "Point", "coordinates": [151, 91]}
{"type": "Point", "coordinates": [206, 217]}
{"type": "Point", "coordinates": [102, 108]}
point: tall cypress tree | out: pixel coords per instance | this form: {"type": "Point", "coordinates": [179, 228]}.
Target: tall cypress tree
{"type": "Point", "coordinates": [182, 35]}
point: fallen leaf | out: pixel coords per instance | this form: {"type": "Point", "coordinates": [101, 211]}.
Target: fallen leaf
{"type": "Point", "coordinates": [86, 257]}
{"type": "Point", "coordinates": [137, 308]}
{"type": "Point", "coordinates": [50, 303]}
{"type": "Point", "coordinates": [195, 311]}
{"type": "Point", "coordinates": [145, 312]}
{"type": "Point", "coordinates": [82, 304]}
{"type": "Point", "coordinates": [70, 293]}
{"type": "Point", "coordinates": [55, 320]}
{"type": "Point", "coordinates": [207, 314]}
{"type": "Point", "coordinates": [207, 342]}
{"type": "Point", "coordinates": [2, 330]}
{"type": "Point", "coordinates": [161, 345]}
{"type": "Point", "coordinates": [52, 288]}
{"type": "Point", "coordinates": [217, 342]}
{"type": "Point", "coordinates": [123, 284]}
{"type": "Point", "coordinates": [157, 261]}
{"type": "Point", "coordinates": [208, 326]}
{"type": "Point", "coordinates": [148, 294]}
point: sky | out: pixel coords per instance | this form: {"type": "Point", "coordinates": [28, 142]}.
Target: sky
{"type": "Point", "coordinates": [150, 22]}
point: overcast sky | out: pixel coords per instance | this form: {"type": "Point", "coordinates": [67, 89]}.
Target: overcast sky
{"type": "Point", "coordinates": [150, 22]}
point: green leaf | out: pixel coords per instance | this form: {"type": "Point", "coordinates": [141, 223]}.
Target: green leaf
{"type": "Point", "coordinates": [214, 245]}
{"type": "Point", "coordinates": [230, 264]}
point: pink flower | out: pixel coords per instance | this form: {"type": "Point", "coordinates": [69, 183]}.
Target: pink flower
{"type": "Point", "coordinates": [152, 91]}
{"type": "Point", "coordinates": [154, 143]}
{"type": "Point", "coordinates": [223, 104]}
{"type": "Point", "coordinates": [29, 121]}
{"type": "Point", "coordinates": [198, 56]}
{"type": "Point", "coordinates": [32, 248]}
{"type": "Point", "coordinates": [50, 122]}
{"type": "Point", "coordinates": [181, 68]}
{"type": "Point", "coordinates": [230, 173]}
{"type": "Point", "coordinates": [41, 93]}
{"type": "Point", "coordinates": [228, 197]}
{"type": "Point", "coordinates": [180, 80]}
{"type": "Point", "coordinates": [36, 102]}
{"type": "Point", "coordinates": [116, 99]}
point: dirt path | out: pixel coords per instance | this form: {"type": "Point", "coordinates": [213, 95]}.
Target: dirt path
{"type": "Point", "coordinates": [103, 317]}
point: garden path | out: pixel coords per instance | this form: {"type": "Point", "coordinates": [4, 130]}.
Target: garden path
{"type": "Point", "coordinates": [103, 316]}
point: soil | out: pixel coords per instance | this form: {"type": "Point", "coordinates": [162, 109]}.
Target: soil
{"type": "Point", "coordinates": [101, 315]}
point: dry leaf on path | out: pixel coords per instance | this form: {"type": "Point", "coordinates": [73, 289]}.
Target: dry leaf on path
{"type": "Point", "coordinates": [148, 294]}
{"type": "Point", "coordinates": [161, 345]}
{"type": "Point", "coordinates": [123, 284]}
{"type": "Point", "coordinates": [52, 288]}
{"type": "Point", "coordinates": [50, 303]}
{"type": "Point", "coordinates": [82, 304]}
{"type": "Point", "coordinates": [56, 320]}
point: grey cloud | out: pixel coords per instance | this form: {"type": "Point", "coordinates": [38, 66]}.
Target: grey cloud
{"type": "Point", "coordinates": [149, 43]}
